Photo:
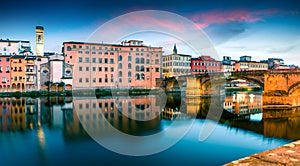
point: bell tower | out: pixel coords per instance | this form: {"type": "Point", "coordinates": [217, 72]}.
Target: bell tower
{"type": "Point", "coordinates": [174, 49]}
{"type": "Point", "coordinates": [39, 40]}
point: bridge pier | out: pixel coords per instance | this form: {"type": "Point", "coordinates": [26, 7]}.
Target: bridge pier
{"type": "Point", "coordinates": [193, 86]}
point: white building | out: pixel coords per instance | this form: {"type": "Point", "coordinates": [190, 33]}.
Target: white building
{"type": "Point", "coordinates": [176, 64]}
{"type": "Point", "coordinates": [15, 47]}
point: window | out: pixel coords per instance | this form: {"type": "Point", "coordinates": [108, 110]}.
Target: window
{"type": "Point", "coordinates": [147, 69]}
{"type": "Point", "coordinates": [80, 80]}
{"type": "Point", "coordinates": [142, 68]}
{"type": "Point", "coordinates": [87, 52]}
{"type": "Point", "coordinates": [112, 69]}
{"type": "Point", "coordinates": [156, 69]}
{"type": "Point", "coordinates": [137, 60]}
{"type": "Point", "coordinates": [120, 73]}
{"type": "Point", "coordinates": [111, 78]}
{"type": "Point", "coordinates": [74, 46]}
{"type": "Point", "coordinates": [105, 60]}
{"type": "Point", "coordinates": [120, 58]}
{"type": "Point", "coordinates": [137, 76]}
{"type": "Point", "coordinates": [106, 69]}
{"type": "Point", "coordinates": [94, 79]}
{"type": "Point", "coordinates": [137, 68]}
{"type": "Point", "coordinates": [148, 61]}
{"type": "Point", "coordinates": [156, 61]}
{"type": "Point", "coordinates": [87, 68]}
{"type": "Point", "coordinates": [100, 80]}
{"type": "Point", "coordinates": [80, 68]}
{"type": "Point", "coordinates": [86, 47]}
{"type": "Point", "coordinates": [68, 48]}
{"type": "Point", "coordinates": [87, 60]}
{"type": "Point", "coordinates": [80, 59]}
{"type": "Point", "coordinates": [129, 65]}
{"type": "Point", "coordinates": [3, 79]}
{"type": "Point", "coordinates": [93, 47]}
{"type": "Point", "coordinates": [142, 61]}
{"type": "Point", "coordinates": [94, 60]}
{"type": "Point", "coordinates": [143, 76]}
{"type": "Point", "coordinates": [120, 65]}
{"type": "Point", "coordinates": [100, 60]}
{"type": "Point", "coordinates": [99, 68]}
{"type": "Point", "coordinates": [94, 68]}
{"type": "Point", "coordinates": [129, 58]}
{"type": "Point", "coordinates": [111, 61]}
{"type": "Point", "coordinates": [70, 57]}
{"type": "Point", "coordinates": [86, 80]}
{"type": "Point", "coordinates": [129, 74]}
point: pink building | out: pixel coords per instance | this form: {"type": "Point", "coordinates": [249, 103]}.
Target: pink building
{"type": "Point", "coordinates": [5, 73]}
{"type": "Point", "coordinates": [129, 64]}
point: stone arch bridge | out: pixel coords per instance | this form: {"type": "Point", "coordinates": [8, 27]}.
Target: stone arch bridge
{"type": "Point", "coordinates": [280, 87]}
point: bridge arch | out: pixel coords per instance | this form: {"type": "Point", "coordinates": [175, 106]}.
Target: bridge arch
{"type": "Point", "coordinates": [294, 89]}
{"type": "Point", "coordinates": [249, 79]}
{"type": "Point", "coordinates": [172, 84]}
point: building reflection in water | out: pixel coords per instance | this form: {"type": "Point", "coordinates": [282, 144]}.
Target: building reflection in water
{"type": "Point", "coordinates": [132, 115]}
{"type": "Point", "coordinates": [139, 115]}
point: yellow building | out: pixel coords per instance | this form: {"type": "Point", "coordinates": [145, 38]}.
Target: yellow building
{"type": "Point", "coordinates": [250, 66]}
{"type": "Point", "coordinates": [18, 81]}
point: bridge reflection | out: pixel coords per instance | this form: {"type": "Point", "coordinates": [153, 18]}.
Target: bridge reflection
{"type": "Point", "coordinates": [143, 115]}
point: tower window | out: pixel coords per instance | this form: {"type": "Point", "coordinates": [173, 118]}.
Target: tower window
{"type": "Point", "coordinates": [39, 39]}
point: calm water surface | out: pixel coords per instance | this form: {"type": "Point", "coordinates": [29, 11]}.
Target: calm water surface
{"type": "Point", "coordinates": [57, 130]}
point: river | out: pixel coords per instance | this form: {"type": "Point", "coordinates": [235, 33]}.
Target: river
{"type": "Point", "coordinates": [139, 130]}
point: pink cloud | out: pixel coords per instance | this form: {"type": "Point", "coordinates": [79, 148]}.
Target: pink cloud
{"type": "Point", "coordinates": [205, 19]}
{"type": "Point", "coordinates": [147, 21]}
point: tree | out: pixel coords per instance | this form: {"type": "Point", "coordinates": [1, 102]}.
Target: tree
{"type": "Point", "coordinates": [48, 84]}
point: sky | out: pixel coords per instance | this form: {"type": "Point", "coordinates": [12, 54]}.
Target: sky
{"type": "Point", "coordinates": [261, 29]}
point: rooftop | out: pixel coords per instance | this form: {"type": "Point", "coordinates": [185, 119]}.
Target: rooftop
{"type": "Point", "coordinates": [14, 41]}
{"type": "Point", "coordinates": [204, 58]}
{"type": "Point", "coordinates": [107, 44]}
{"type": "Point", "coordinates": [179, 55]}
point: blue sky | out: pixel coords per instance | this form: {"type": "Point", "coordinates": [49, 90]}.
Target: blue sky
{"type": "Point", "coordinates": [261, 29]}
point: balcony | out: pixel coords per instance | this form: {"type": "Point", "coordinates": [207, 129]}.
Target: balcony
{"type": "Point", "coordinates": [29, 82]}
{"type": "Point", "coordinates": [30, 71]}
{"type": "Point", "coordinates": [29, 64]}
